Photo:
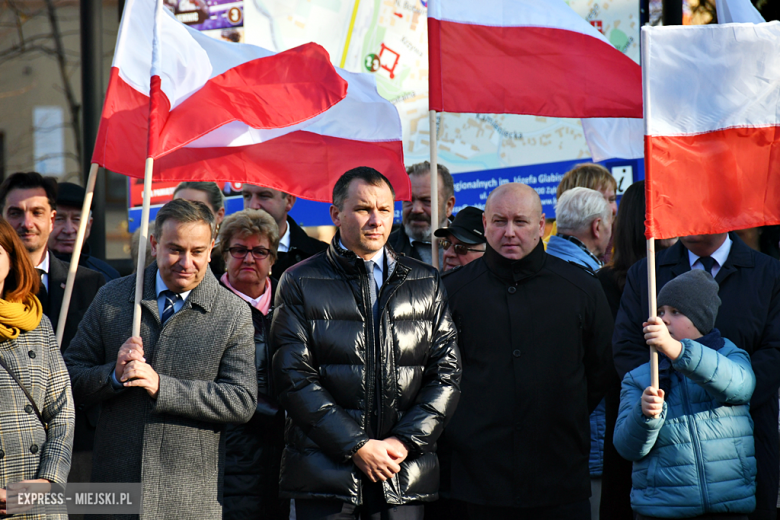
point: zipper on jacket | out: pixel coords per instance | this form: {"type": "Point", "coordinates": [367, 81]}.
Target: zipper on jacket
{"type": "Point", "coordinates": [696, 446]}
{"type": "Point", "coordinates": [370, 354]}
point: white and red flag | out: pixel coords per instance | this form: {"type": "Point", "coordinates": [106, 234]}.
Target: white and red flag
{"type": "Point", "coordinates": [535, 57]}
{"type": "Point", "coordinates": [233, 112]}
{"type": "Point", "coordinates": [712, 128]}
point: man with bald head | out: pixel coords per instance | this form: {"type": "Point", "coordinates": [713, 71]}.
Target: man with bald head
{"type": "Point", "coordinates": [535, 336]}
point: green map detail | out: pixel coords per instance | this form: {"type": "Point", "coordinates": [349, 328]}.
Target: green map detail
{"type": "Point", "coordinates": [618, 38]}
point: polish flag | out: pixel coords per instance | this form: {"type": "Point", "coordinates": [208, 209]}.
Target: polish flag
{"type": "Point", "coordinates": [712, 128]}
{"type": "Point", "coordinates": [535, 57]}
{"type": "Point", "coordinates": [239, 113]}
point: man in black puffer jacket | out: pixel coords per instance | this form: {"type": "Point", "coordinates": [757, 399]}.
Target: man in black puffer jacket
{"type": "Point", "coordinates": [366, 365]}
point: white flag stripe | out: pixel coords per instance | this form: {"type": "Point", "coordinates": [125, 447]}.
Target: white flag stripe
{"type": "Point", "coordinates": [513, 13]}
{"type": "Point", "coordinates": [614, 137]}
{"type": "Point", "coordinates": [737, 11]}
{"type": "Point", "coordinates": [363, 116]}
{"type": "Point", "coordinates": [739, 88]}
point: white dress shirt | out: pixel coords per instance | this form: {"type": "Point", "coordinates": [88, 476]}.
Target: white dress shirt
{"type": "Point", "coordinates": [44, 266]}
{"type": "Point", "coordinates": [720, 255]}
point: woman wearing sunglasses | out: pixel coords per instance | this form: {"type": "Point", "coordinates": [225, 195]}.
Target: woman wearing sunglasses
{"type": "Point", "coordinates": [248, 242]}
{"type": "Point", "coordinates": [464, 240]}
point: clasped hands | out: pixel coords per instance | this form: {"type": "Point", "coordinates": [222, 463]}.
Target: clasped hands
{"type": "Point", "coordinates": [132, 369]}
{"type": "Point", "coordinates": [380, 460]}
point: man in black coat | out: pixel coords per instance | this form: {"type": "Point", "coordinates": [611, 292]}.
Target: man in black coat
{"type": "Point", "coordinates": [366, 366]}
{"type": "Point", "coordinates": [749, 316]}
{"type": "Point", "coordinates": [535, 334]}
{"type": "Point", "coordinates": [29, 204]}
{"type": "Point", "coordinates": [414, 237]}
{"type": "Point", "coordinates": [294, 245]}
{"type": "Point", "coordinates": [70, 199]}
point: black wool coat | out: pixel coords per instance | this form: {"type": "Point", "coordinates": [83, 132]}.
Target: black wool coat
{"type": "Point", "coordinates": [302, 246]}
{"type": "Point", "coordinates": [535, 339]}
{"type": "Point", "coordinates": [749, 315]}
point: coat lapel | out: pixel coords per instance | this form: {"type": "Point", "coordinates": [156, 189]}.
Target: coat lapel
{"type": "Point", "coordinates": [739, 256]}
{"type": "Point", "coordinates": [58, 274]}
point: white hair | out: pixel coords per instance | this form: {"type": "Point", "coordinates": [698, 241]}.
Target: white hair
{"type": "Point", "coordinates": [578, 207]}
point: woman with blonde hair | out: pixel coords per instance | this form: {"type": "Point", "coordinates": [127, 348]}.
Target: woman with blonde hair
{"type": "Point", "coordinates": [36, 404]}
{"type": "Point", "coordinates": [248, 242]}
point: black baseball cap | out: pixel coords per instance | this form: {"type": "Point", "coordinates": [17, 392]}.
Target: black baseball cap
{"type": "Point", "coordinates": [71, 195]}
{"type": "Point", "coordinates": [467, 226]}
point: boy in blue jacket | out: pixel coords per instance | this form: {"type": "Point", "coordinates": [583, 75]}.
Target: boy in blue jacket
{"type": "Point", "coordinates": [692, 439]}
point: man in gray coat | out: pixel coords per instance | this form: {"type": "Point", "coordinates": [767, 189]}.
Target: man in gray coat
{"type": "Point", "coordinates": [167, 394]}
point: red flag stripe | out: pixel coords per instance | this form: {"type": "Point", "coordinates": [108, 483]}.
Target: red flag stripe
{"type": "Point", "coordinates": [278, 163]}
{"type": "Point", "coordinates": [741, 188]}
{"type": "Point", "coordinates": [529, 70]}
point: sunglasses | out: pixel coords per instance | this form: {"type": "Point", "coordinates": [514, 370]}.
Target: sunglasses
{"type": "Point", "coordinates": [258, 253]}
{"type": "Point", "coordinates": [460, 249]}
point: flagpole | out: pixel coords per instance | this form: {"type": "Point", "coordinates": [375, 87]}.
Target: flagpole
{"type": "Point", "coordinates": [434, 190]}
{"type": "Point", "coordinates": [653, 306]}
{"type": "Point", "coordinates": [77, 247]}
{"type": "Point", "coordinates": [651, 294]}
{"type": "Point", "coordinates": [152, 141]}
{"type": "Point", "coordinates": [143, 240]}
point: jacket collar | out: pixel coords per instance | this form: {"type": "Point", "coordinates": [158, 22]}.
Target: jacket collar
{"type": "Point", "coordinates": [201, 296]}
{"type": "Point", "coordinates": [739, 256]}
{"type": "Point", "coordinates": [353, 265]}
{"type": "Point", "coordinates": [515, 270]}
{"type": "Point", "coordinates": [299, 239]}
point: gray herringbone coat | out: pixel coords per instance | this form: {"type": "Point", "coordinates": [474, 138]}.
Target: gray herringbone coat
{"type": "Point", "coordinates": [205, 356]}
{"type": "Point", "coordinates": [29, 451]}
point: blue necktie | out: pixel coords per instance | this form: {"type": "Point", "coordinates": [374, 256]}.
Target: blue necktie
{"type": "Point", "coordinates": [170, 300]}
{"type": "Point", "coordinates": [708, 262]}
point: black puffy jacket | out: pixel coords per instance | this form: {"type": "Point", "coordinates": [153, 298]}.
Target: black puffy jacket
{"type": "Point", "coordinates": [253, 451]}
{"type": "Point", "coordinates": [325, 370]}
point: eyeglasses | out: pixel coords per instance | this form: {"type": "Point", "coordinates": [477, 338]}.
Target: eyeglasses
{"type": "Point", "coordinates": [460, 249]}
{"type": "Point", "coordinates": [258, 253]}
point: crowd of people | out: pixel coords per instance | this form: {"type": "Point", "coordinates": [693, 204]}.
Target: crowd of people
{"type": "Point", "coordinates": [277, 376]}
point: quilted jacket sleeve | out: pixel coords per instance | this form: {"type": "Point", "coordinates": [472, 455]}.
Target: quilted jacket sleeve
{"type": "Point", "coordinates": [435, 404]}
{"type": "Point", "coordinates": [635, 433]}
{"type": "Point", "coordinates": [727, 378]}
{"type": "Point", "coordinates": [297, 380]}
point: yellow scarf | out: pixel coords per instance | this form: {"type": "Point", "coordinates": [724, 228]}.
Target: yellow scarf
{"type": "Point", "coordinates": [18, 317]}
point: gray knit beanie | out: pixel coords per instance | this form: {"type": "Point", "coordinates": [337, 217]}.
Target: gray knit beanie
{"type": "Point", "coordinates": [695, 294]}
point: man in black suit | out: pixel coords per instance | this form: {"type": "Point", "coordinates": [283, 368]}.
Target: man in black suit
{"type": "Point", "coordinates": [749, 316]}
{"type": "Point", "coordinates": [29, 204]}
{"type": "Point", "coordinates": [294, 245]}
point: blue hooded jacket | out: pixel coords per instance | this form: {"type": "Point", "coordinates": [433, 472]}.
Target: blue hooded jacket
{"type": "Point", "coordinates": [698, 456]}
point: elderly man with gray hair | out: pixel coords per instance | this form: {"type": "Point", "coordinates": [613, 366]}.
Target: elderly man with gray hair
{"type": "Point", "coordinates": [584, 228]}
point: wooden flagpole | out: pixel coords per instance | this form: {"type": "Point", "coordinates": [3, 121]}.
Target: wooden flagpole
{"type": "Point", "coordinates": [434, 190]}
{"type": "Point", "coordinates": [77, 247]}
{"type": "Point", "coordinates": [653, 307]}
{"type": "Point", "coordinates": [651, 295]}
{"type": "Point", "coordinates": [143, 240]}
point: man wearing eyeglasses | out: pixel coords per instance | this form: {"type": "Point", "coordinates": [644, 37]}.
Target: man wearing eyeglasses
{"type": "Point", "coordinates": [464, 240]}
{"type": "Point", "coordinates": [536, 336]}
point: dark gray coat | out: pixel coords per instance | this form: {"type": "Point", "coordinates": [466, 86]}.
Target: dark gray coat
{"type": "Point", "coordinates": [205, 358]}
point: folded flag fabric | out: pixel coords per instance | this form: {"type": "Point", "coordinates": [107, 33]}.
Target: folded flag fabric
{"type": "Point", "coordinates": [535, 57]}
{"type": "Point", "coordinates": [712, 139]}
{"type": "Point", "coordinates": [737, 11]}
{"type": "Point", "coordinates": [233, 112]}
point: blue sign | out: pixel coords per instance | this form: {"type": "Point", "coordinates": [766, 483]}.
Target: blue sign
{"type": "Point", "coordinates": [471, 189]}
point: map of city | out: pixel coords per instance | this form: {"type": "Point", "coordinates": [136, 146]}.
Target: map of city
{"type": "Point", "coordinates": [388, 38]}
